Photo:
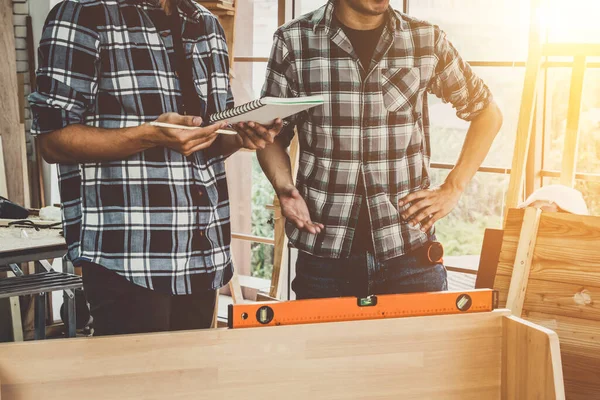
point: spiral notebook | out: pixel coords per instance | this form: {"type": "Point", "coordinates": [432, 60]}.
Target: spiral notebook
{"type": "Point", "coordinates": [266, 110]}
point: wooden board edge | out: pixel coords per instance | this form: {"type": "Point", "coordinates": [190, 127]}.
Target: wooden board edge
{"type": "Point", "coordinates": [523, 260]}
{"type": "Point", "coordinates": [551, 344]}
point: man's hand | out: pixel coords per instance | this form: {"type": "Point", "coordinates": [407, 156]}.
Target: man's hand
{"type": "Point", "coordinates": [185, 141]}
{"type": "Point", "coordinates": [430, 205]}
{"type": "Point", "coordinates": [256, 136]}
{"type": "Point", "coordinates": [295, 210]}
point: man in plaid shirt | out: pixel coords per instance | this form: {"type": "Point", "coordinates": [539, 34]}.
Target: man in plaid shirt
{"type": "Point", "coordinates": [145, 209]}
{"type": "Point", "coordinates": [362, 210]}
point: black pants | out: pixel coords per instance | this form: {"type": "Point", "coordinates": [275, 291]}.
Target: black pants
{"type": "Point", "coordinates": [121, 307]}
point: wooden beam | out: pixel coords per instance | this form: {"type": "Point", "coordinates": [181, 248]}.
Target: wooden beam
{"type": "Point", "coordinates": [522, 265]}
{"type": "Point", "coordinates": [523, 138]}
{"type": "Point", "coordinates": [253, 238]}
{"type": "Point", "coordinates": [531, 362]}
{"type": "Point", "coordinates": [571, 49]}
{"type": "Point", "coordinates": [12, 136]}
{"type": "Point", "coordinates": [569, 160]}
{"type": "Point", "coordinates": [578, 176]}
{"type": "Point", "coordinates": [3, 184]}
{"type": "Point", "coordinates": [281, 240]}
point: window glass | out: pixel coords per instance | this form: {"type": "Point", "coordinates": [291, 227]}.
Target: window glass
{"type": "Point", "coordinates": [448, 132]}
{"type": "Point", "coordinates": [481, 207]}
{"type": "Point", "coordinates": [480, 30]}
{"type": "Point", "coordinates": [557, 102]}
{"type": "Point", "coordinates": [255, 24]}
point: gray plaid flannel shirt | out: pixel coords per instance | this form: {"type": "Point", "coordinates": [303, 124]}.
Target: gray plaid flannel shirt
{"type": "Point", "coordinates": [377, 126]}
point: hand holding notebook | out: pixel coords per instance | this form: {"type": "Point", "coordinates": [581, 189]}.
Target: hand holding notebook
{"type": "Point", "coordinates": [266, 110]}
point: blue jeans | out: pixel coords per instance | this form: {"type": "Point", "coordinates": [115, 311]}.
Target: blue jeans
{"type": "Point", "coordinates": [361, 275]}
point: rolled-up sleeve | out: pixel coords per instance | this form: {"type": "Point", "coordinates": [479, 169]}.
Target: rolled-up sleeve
{"type": "Point", "coordinates": [67, 77]}
{"type": "Point", "coordinates": [455, 82]}
{"type": "Point", "coordinates": [280, 82]}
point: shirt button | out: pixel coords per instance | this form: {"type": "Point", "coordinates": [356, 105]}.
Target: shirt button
{"type": "Point", "coordinates": [201, 233]}
{"type": "Point", "coordinates": [165, 33]}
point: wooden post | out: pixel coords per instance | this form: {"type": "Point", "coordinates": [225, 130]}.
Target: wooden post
{"type": "Point", "coordinates": [281, 241]}
{"type": "Point", "coordinates": [12, 136]}
{"type": "Point", "coordinates": [569, 161]}
{"type": "Point", "coordinates": [530, 87]}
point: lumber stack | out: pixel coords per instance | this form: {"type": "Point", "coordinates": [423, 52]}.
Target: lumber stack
{"type": "Point", "coordinates": [562, 291]}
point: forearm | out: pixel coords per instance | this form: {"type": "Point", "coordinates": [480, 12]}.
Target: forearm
{"type": "Point", "coordinates": [275, 163]}
{"type": "Point", "coordinates": [226, 145]}
{"type": "Point", "coordinates": [480, 137]}
{"type": "Point", "coordinates": [76, 144]}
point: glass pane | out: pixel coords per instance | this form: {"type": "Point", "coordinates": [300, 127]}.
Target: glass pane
{"type": "Point", "coordinates": [591, 195]}
{"type": "Point", "coordinates": [248, 80]}
{"type": "Point", "coordinates": [480, 30]}
{"type": "Point", "coordinates": [572, 22]}
{"type": "Point", "coordinates": [262, 260]}
{"type": "Point", "coordinates": [588, 157]}
{"type": "Point", "coordinates": [461, 232]}
{"type": "Point", "coordinates": [256, 22]}
{"type": "Point", "coordinates": [307, 6]}
{"type": "Point", "coordinates": [448, 131]}
{"type": "Point", "coordinates": [557, 102]}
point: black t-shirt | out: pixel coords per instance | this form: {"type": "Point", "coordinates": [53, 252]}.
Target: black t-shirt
{"type": "Point", "coordinates": [364, 44]}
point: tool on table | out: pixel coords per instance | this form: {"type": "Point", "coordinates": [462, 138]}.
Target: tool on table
{"type": "Point", "coordinates": [351, 308]}
{"type": "Point", "coordinates": [186, 127]}
{"type": "Point", "coordinates": [10, 210]}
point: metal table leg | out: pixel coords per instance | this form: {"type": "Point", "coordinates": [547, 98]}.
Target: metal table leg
{"type": "Point", "coordinates": [40, 316]}
{"type": "Point", "coordinates": [69, 302]}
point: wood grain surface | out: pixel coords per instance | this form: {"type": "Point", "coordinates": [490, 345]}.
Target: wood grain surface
{"type": "Point", "coordinates": [563, 291]}
{"type": "Point", "coordinates": [531, 365]}
{"type": "Point", "coordinates": [13, 138]}
{"type": "Point", "coordinates": [451, 357]}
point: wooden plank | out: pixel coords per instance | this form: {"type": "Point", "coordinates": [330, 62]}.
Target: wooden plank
{"type": "Point", "coordinates": [533, 179]}
{"type": "Point", "coordinates": [531, 367]}
{"type": "Point", "coordinates": [408, 358]}
{"type": "Point", "coordinates": [3, 185]}
{"type": "Point", "coordinates": [563, 290]}
{"type": "Point", "coordinates": [579, 349]}
{"type": "Point", "coordinates": [523, 258]}
{"type": "Point", "coordinates": [280, 255]}
{"type": "Point", "coordinates": [15, 315]}
{"type": "Point", "coordinates": [569, 160]}
{"type": "Point", "coordinates": [526, 112]}
{"type": "Point", "coordinates": [12, 136]}
{"type": "Point", "coordinates": [563, 299]}
{"type": "Point", "coordinates": [253, 238]}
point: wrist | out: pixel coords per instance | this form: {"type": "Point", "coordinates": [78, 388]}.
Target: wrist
{"type": "Point", "coordinates": [147, 135]}
{"type": "Point", "coordinates": [284, 189]}
{"type": "Point", "coordinates": [455, 183]}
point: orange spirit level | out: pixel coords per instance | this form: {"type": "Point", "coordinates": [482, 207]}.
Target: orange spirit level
{"type": "Point", "coordinates": [350, 308]}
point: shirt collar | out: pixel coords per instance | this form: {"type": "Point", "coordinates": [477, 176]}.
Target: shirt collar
{"type": "Point", "coordinates": [186, 8]}
{"type": "Point", "coordinates": [323, 18]}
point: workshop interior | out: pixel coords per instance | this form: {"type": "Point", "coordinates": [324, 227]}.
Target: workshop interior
{"type": "Point", "coordinates": [303, 199]}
